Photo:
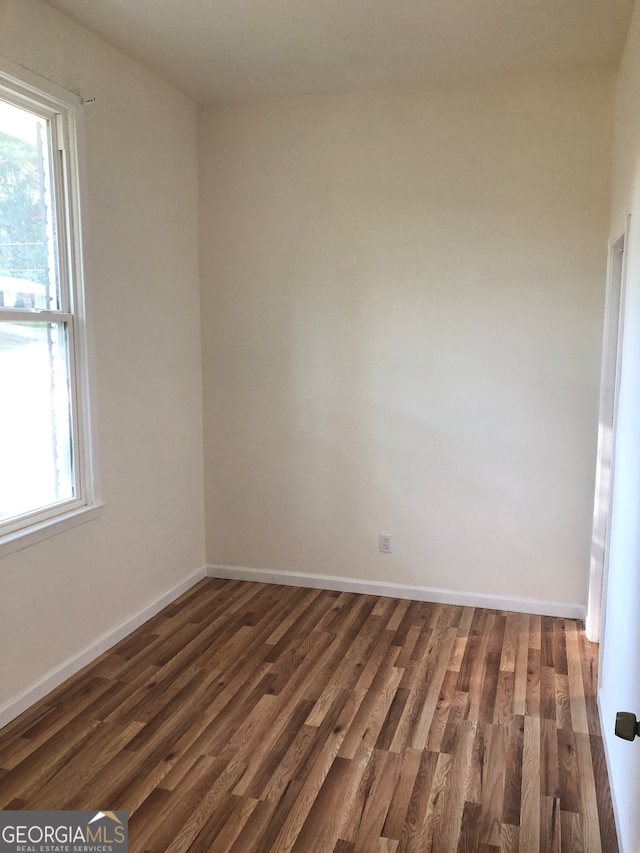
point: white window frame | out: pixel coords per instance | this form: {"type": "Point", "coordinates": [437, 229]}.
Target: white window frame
{"type": "Point", "coordinates": [64, 111]}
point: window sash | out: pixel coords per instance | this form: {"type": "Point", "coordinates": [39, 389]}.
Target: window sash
{"type": "Point", "coordinates": [34, 315]}
{"type": "Point", "coordinates": [78, 499]}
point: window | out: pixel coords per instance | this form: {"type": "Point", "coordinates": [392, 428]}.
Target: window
{"type": "Point", "coordinates": [46, 474]}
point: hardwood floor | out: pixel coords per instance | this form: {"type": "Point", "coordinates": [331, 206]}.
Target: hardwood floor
{"type": "Point", "coordinates": [249, 717]}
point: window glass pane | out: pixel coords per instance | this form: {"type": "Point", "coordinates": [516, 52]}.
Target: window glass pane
{"type": "Point", "coordinates": [36, 465]}
{"type": "Point", "coordinates": [28, 262]}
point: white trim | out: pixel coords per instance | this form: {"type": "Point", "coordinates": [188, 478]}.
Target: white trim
{"type": "Point", "coordinates": [399, 590]}
{"type": "Point", "coordinates": [56, 676]}
{"type": "Point", "coordinates": [610, 372]}
{"type": "Point", "coordinates": [607, 733]}
{"type": "Point", "coordinates": [29, 82]}
{"type": "Point", "coordinates": [23, 537]}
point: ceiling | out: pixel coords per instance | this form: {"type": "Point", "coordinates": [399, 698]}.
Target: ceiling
{"type": "Point", "coordinates": [226, 49]}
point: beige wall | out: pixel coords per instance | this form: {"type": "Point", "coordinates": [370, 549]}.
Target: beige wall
{"type": "Point", "coordinates": [620, 690]}
{"type": "Point", "coordinates": [402, 299]}
{"type": "Point", "coordinates": [58, 596]}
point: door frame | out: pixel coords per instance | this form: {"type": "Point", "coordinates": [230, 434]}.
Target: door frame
{"type": "Point", "coordinates": [607, 420]}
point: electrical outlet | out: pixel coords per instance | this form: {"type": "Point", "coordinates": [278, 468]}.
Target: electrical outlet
{"type": "Point", "coordinates": [386, 543]}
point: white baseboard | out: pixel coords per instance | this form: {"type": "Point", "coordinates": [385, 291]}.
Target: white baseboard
{"type": "Point", "coordinates": [607, 718]}
{"type": "Point", "coordinates": [399, 590]}
{"type": "Point", "coordinates": [52, 679]}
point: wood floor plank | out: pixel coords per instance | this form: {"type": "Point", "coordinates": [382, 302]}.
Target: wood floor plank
{"type": "Point", "coordinates": [84, 765]}
{"type": "Point", "coordinates": [39, 766]}
{"type": "Point", "coordinates": [559, 647]}
{"type": "Point", "coordinates": [398, 615]}
{"type": "Point", "coordinates": [548, 693]}
{"type": "Point", "coordinates": [568, 776]}
{"type": "Point", "coordinates": [371, 714]}
{"type": "Point", "coordinates": [182, 804]}
{"type": "Point", "coordinates": [457, 713]}
{"type": "Point", "coordinates": [417, 613]}
{"type": "Point", "coordinates": [254, 718]}
{"type": "Point", "coordinates": [410, 838]}
{"type": "Point", "coordinates": [394, 714]}
{"type": "Point", "coordinates": [589, 810]}
{"type": "Point", "coordinates": [351, 662]}
{"type": "Point", "coordinates": [509, 643]}
{"type": "Point", "coordinates": [377, 794]}
{"type": "Point", "coordinates": [474, 665]}
{"type": "Point", "coordinates": [572, 838]}
{"type": "Point", "coordinates": [60, 718]}
{"type": "Point", "coordinates": [547, 645]}
{"type": "Point", "coordinates": [489, 687]}
{"type": "Point", "coordinates": [408, 646]}
{"type": "Point", "coordinates": [535, 632]}
{"type": "Point", "coordinates": [533, 683]}
{"type": "Point", "coordinates": [435, 815]}
{"type": "Point", "coordinates": [415, 681]}
{"type": "Point", "coordinates": [464, 630]}
{"type": "Point", "coordinates": [206, 828]}
{"type": "Point", "coordinates": [440, 718]}
{"type": "Point", "coordinates": [447, 832]}
{"type": "Point", "coordinates": [280, 743]}
{"type": "Point", "coordinates": [308, 790]}
{"type": "Point", "coordinates": [530, 808]}
{"type": "Point", "coordinates": [402, 792]}
{"type": "Point", "coordinates": [520, 667]}
{"type": "Point", "coordinates": [589, 664]}
{"type": "Point", "coordinates": [289, 611]}
{"type": "Point", "coordinates": [563, 701]}
{"type": "Point", "coordinates": [250, 839]}
{"type": "Point", "coordinates": [206, 802]}
{"type": "Point", "coordinates": [468, 840]}
{"type": "Point", "coordinates": [143, 823]}
{"type": "Point", "coordinates": [301, 757]}
{"type": "Point", "coordinates": [549, 767]}
{"type": "Point", "coordinates": [550, 825]}
{"type": "Point", "coordinates": [512, 802]}
{"type": "Point", "coordinates": [606, 818]}
{"type": "Point", "coordinates": [241, 809]}
{"type": "Point", "coordinates": [503, 705]}
{"type": "Point", "coordinates": [579, 721]}
{"type": "Point", "coordinates": [493, 782]}
{"type": "Point", "coordinates": [300, 629]}
{"type": "Point", "coordinates": [420, 736]}
{"type": "Point", "coordinates": [509, 838]}
{"type": "Point", "coordinates": [258, 746]}
{"type": "Point", "coordinates": [327, 815]}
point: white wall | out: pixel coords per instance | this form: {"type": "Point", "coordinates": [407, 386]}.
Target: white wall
{"type": "Point", "coordinates": [620, 690]}
{"type": "Point", "coordinates": [402, 299]}
{"type": "Point", "coordinates": [58, 596]}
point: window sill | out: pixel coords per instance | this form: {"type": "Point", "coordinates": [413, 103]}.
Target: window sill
{"type": "Point", "coordinates": [20, 539]}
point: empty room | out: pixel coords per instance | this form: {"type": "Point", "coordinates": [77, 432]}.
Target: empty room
{"type": "Point", "coordinates": [319, 426]}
